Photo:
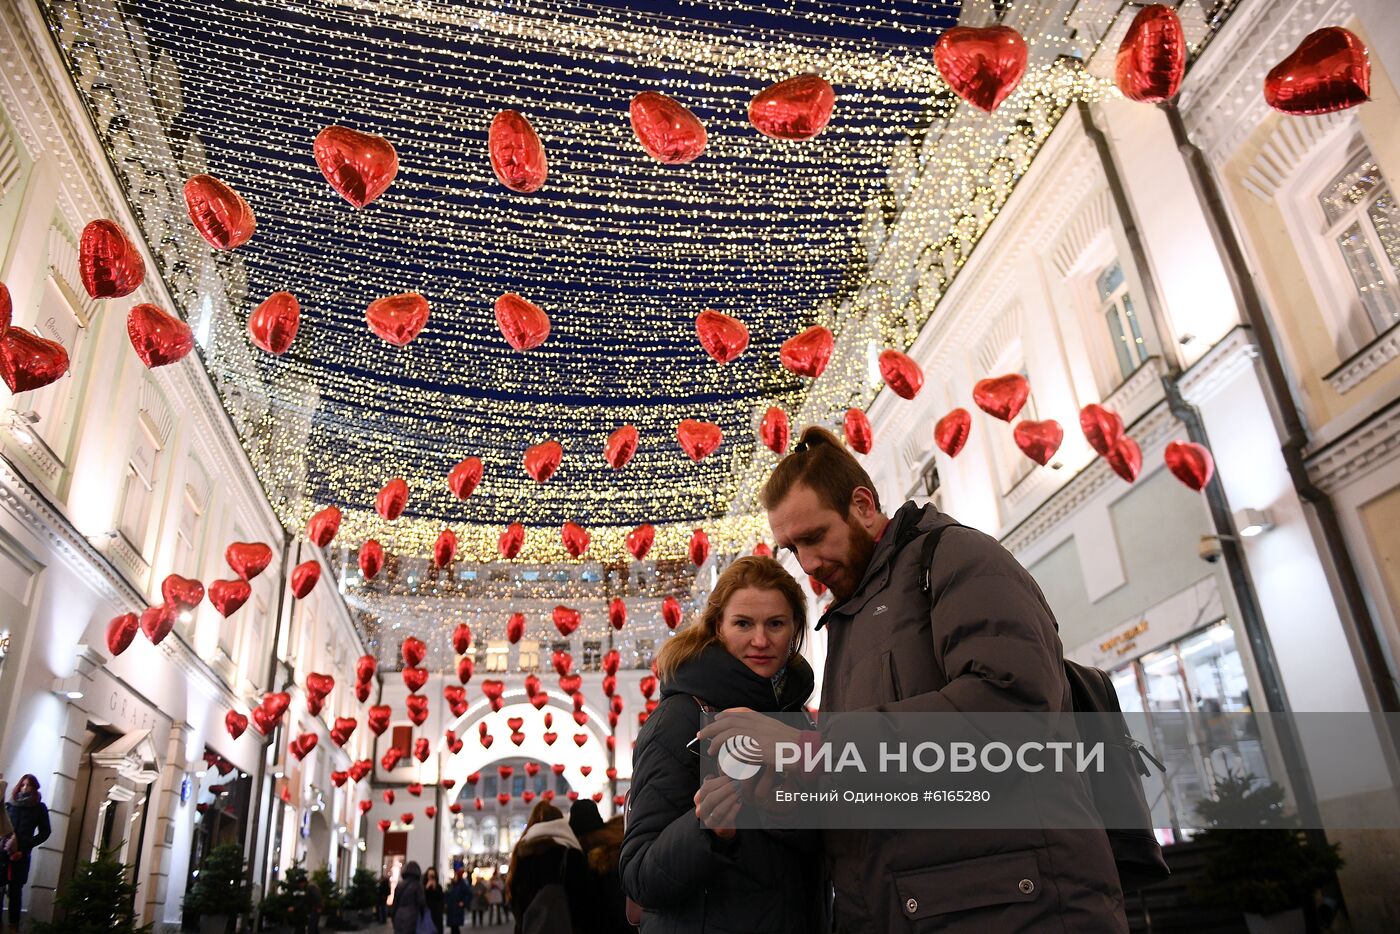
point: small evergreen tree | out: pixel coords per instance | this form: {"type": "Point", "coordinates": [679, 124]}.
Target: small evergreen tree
{"type": "Point", "coordinates": [99, 899]}
{"type": "Point", "coordinates": [220, 889]}
{"type": "Point", "coordinates": [288, 904]}
{"type": "Point", "coordinates": [332, 900]}
{"type": "Point", "coordinates": [364, 890]}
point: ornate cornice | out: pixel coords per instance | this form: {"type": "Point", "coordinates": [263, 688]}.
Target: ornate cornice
{"type": "Point", "coordinates": [1360, 366]}
{"type": "Point", "coordinates": [1373, 444]}
{"type": "Point", "coordinates": [1235, 352]}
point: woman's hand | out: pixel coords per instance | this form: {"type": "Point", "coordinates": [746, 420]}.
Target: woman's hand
{"type": "Point", "coordinates": [717, 805]}
{"type": "Point", "coordinates": [764, 731]}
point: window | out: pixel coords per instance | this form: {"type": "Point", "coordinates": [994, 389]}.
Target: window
{"type": "Point", "coordinates": [403, 740]}
{"type": "Point", "coordinates": [192, 507]}
{"type": "Point", "coordinates": [645, 649]}
{"type": "Point", "coordinates": [56, 321]}
{"type": "Point", "coordinates": [592, 655]}
{"type": "Point", "coordinates": [529, 656]}
{"type": "Point", "coordinates": [1116, 310]}
{"type": "Point", "coordinates": [138, 494]}
{"type": "Point", "coordinates": [497, 656]}
{"type": "Point", "coordinates": [556, 647]}
{"type": "Point", "coordinates": [1363, 224]}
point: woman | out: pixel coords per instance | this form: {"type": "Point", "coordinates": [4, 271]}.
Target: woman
{"type": "Point", "coordinates": [478, 903]}
{"type": "Point", "coordinates": [434, 897]}
{"type": "Point", "coordinates": [29, 819]}
{"type": "Point", "coordinates": [693, 874]}
{"type": "Point", "coordinates": [495, 898]}
{"type": "Point", "coordinates": [601, 845]}
{"type": "Point", "coordinates": [547, 872]}
{"type": "Point", "coordinates": [409, 902]}
{"type": "Point", "coordinates": [459, 899]}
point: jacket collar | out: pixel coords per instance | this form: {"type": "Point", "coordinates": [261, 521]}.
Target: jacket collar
{"type": "Point", "coordinates": [723, 681]}
{"type": "Point", "coordinates": [556, 831]}
{"type": "Point", "coordinates": [907, 524]}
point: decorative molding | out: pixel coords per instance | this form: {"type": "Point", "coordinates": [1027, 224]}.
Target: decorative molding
{"type": "Point", "coordinates": [1292, 143]}
{"type": "Point", "coordinates": [1234, 352]}
{"type": "Point", "coordinates": [1140, 392]}
{"type": "Point", "coordinates": [1356, 369]}
{"type": "Point", "coordinates": [1091, 221]}
{"type": "Point", "coordinates": [9, 159]}
{"type": "Point", "coordinates": [1373, 444]}
{"type": "Point", "coordinates": [153, 404]}
{"type": "Point", "coordinates": [1004, 333]}
{"type": "Point", "coordinates": [63, 266]}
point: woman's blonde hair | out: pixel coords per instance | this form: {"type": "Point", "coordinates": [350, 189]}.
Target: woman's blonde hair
{"type": "Point", "coordinates": [757, 571]}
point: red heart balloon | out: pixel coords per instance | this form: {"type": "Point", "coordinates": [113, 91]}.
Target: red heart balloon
{"type": "Point", "coordinates": [622, 444]}
{"type": "Point", "coordinates": [808, 353]}
{"type": "Point", "coordinates": [120, 631]}
{"type": "Point", "coordinates": [610, 683]}
{"type": "Point", "coordinates": [377, 718]}
{"type": "Point", "coordinates": [338, 778]}
{"type": "Point", "coordinates": [314, 704]}
{"type": "Point", "coordinates": [359, 769]}
{"type": "Point", "coordinates": [542, 460]}
{"type": "Point", "coordinates": [463, 479]}
{"type": "Point", "coordinates": [7, 309]}
{"type": "Point", "coordinates": [532, 687]}
{"type": "Point", "coordinates": [248, 559]}
{"type": "Point", "coordinates": [539, 700]}
{"type": "Point", "coordinates": [344, 728]}
{"type": "Point", "coordinates": [265, 721]}
{"type": "Point", "coordinates": [575, 538]}
{"type": "Point", "coordinates": [762, 550]}
{"type": "Point", "coordinates": [390, 759]}
{"type": "Point", "coordinates": [421, 751]}
{"type": "Point", "coordinates": [566, 620]}
{"type": "Point", "coordinates": [228, 596]}
{"type": "Point", "coordinates": [384, 824]}
{"type": "Point", "coordinates": [639, 540]}
{"type": "Point", "coordinates": [461, 638]}
{"type": "Point", "coordinates": [585, 770]}
{"type": "Point", "coordinates": [796, 109]}
{"type": "Point", "coordinates": [413, 651]}
{"type": "Point", "coordinates": [305, 576]}
{"type": "Point", "coordinates": [612, 660]}
{"type": "Point", "coordinates": [454, 746]}
{"type": "Point", "coordinates": [359, 166]}
{"type": "Point", "coordinates": [523, 324]}
{"type": "Point", "coordinates": [415, 678]}
{"type": "Point", "coordinates": [417, 706]}
{"type": "Point", "coordinates": [859, 436]}
{"type": "Point", "coordinates": [698, 439]}
{"type": "Point", "coordinates": [219, 213]}
{"type": "Point", "coordinates": [1002, 396]}
{"type": "Point", "coordinates": [580, 739]}
{"type": "Point", "coordinates": [397, 318]}
{"type": "Point", "coordinates": [486, 740]}
{"type": "Point", "coordinates": [1101, 428]}
{"type": "Point", "coordinates": [406, 818]}
{"type": "Point", "coordinates": [950, 434]}
{"type": "Point", "coordinates": [1328, 71]}
{"type": "Point", "coordinates": [515, 627]}
{"type": "Point", "coordinates": [617, 613]}
{"type": "Point", "coordinates": [392, 499]}
{"type": "Point", "coordinates": [430, 812]}
{"type": "Point", "coordinates": [671, 612]}
{"type": "Point", "coordinates": [511, 540]}
{"type": "Point", "coordinates": [1152, 58]}
{"type": "Point", "coordinates": [517, 155]}
{"type": "Point", "coordinates": [157, 621]}
{"type": "Point", "coordinates": [723, 337]}
{"type": "Point", "coordinates": [276, 702]}
{"type": "Point", "coordinates": [371, 559]}
{"type": "Point", "coordinates": [982, 66]}
{"type": "Point", "coordinates": [362, 691]}
{"type": "Point", "coordinates": [1039, 440]}
{"type": "Point", "coordinates": [492, 688]}
{"type": "Point", "coordinates": [667, 131]}
{"type": "Point", "coordinates": [365, 667]}
{"type": "Point", "coordinates": [323, 526]}
{"type": "Point", "coordinates": [273, 325]}
{"type": "Point", "coordinates": [699, 548]}
{"type": "Point", "coordinates": [235, 723]}
{"type": "Point", "coordinates": [1125, 458]}
{"type": "Point", "coordinates": [901, 374]}
{"type": "Point", "coordinates": [181, 592]}
{"type": "Point", "coordinates": [774, 430]}
{"type": "Point", "coordinates": [1190, 463]}
{"type": "Point", "coordinates": [388, 794]}
{"type": "Point", "coordinates": [109, 264]}
{"type": "Point", "coordinates": [562, 662]}
{"type": "Point", "coordinates": [158, 338]}
{"type": "Point", "coordinates": [616, 704]}
{"type": "Point", "coordinates": [29, 362]}
{"type": "Point", "coordinates": [648, 685]}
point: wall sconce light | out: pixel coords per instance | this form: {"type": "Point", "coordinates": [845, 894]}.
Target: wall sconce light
{"type": "Point", "coordinates": [1252, 522]}
{"type": "Point", "coordinates": [70, 687]}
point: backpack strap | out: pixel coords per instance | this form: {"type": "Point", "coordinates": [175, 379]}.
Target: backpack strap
{"type": "Point", "coordinates": [926, 550]}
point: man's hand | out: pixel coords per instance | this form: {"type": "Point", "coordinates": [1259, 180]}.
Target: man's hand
{"type": "Point", "coordinates": [741, 721]}
{"type": "Point", "coordinates": [717, 805]}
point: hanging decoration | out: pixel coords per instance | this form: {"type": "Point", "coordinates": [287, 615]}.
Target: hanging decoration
{"type": "Point", "coordinates": [1102, 429]}
{"type": "Point", "coordinates": [321, 528]}
{"type": "Point", "coordinates": [951, 431]}
{"type": "Point", "coordinates": [517, 155]}
{"type": "Point", "coordinates": [219, 213]}
{"type": "Point", "coordinates": [515, 627]}
{"type": "Point", "coordinates": [724, 338]}
{"type": "Point", "coordinates": [511, 540]}
{"type": "Point", "coordinates": [666, 129]}
{"type": "Point", "coordinates": [235, 723]}
{"type": "Point", "coordinates": [461, 638]}
{"type": "Point", "coordinates": [982, 65]}
{"type": "Point", "coordinates": [1329, 71]}
{"type": "Point", "coordinates": [1152, 57]}
{"type": "Point", "coordinates": [542, 460]}
{"type": "Point", "coordinates": [671, 613]}
{"type": "Point", "coordinates": [398, 318]}
{"type": "Point", "coordinates": [774, 431]}
{"type": "Point", "coordinates": [392, 499]}
{"type": "Point", "coordinates": [121, 630]}
{"type": "Point", "coordinates": [698, 439]}
{"type": "Point", "coordinates": [622, 444]}
{"type": "Point", "coordinates": [639, 540]}
{"type": "Point", "coordinates": [699, 549]}
{"type": "Point", "coordinates": [1002, 396]}
{"type": "Point", "coordinates": [305, 577]}
{"type": "Point", "coordinates": [1190, 463]}
{"type": "Point", "coordinates": [27, 361]}
{"type": "Point", "coordinates": [566, 620]}
{"type": "Point", "coordinates": [1039, 440]}
{"type": "Point", "coordinates": [159, 339]}
{"type": "Point", "coordinates": [575, 538]}
{"type": "Point", "coordinates": [181, 592]}
{"type": "Point", "coordinates": [359, 166]}
{"type": "Point", "coordinates": [413, 651]}
{"type": "Point", "coordinates": [523, 324]}
{"type": "Point", "coordinates": [371, 559]}
{"type": "Point", "coordinates": [228, 596]}
{"type": "Point", "coordinates": [463, 479]}
{"type": "Point", "coordinates": [899, 371]}
{"type": "Point", "coordinates": [808, 353]}
{"type": "Point", "coordinates": [859, 435]}
{"type": "Point", "coordinates": [273, 325]}
{"type": "Point", "coordinates": [617, 613]}
{"type": "Point", "coordinates": [248, 559]}
{"type": "Point", "coordinates": [1125, 458]}
{"type": "Point", "coordinates": [796, 109]}
{"type": "Point", "coordinates": [109, 264]}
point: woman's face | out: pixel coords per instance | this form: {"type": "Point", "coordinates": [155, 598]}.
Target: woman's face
{"type": "Point", "coordinates": [757, 628]}
{"type": "Point", "coordinates": [26, 785]}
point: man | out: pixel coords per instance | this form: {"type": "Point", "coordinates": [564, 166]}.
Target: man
{"type": "Point", "coordinates": [980, 639]}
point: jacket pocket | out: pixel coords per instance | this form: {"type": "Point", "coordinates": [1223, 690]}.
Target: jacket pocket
{"type": "Point", "coordinates": [1001, 879]}
{"type": "Point", "coordinates": [891, 677]}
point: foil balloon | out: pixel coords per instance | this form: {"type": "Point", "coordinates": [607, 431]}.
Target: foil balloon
{"type": "Point", "coordinates": [273, 325]}
{"type": "Point", "coordinates": [517, 155]}
{"type": "Point", "coordinates": [365, 667]}
{"type": "Point", "coordinates": [901, 373]}
{"type": "Point", "coordinates": [1152, 57]}
{"type": "Point", "coordinates": [7, 309]}
{"type": "Point", "coordinates": [157, 621]}
{"type": "Point", "coordinates": [1039, 440]}
{"type": "Point", "coordinates": [950, 434]}
{"type": "Point", "coordinates": [1002, 396]}
{"type": "Point", "coordinates": [319, 685]}
{"type": "Point", "coordinates": [109, 264]}
{"type": "Point", "coordinates": [981, 65]}
{"type": "Point", "coordinates": [397, 318]}
{"type": "Point", "coordinates": [617, 613]}
{"type": "Point", "coordinates": [1190, 463]}
{"type": "Point", "coordinates": [542, 460]}
{"type": "Point", "coordinates": [808, 353]}
{"type": "Point", "coordinates": [359, 769]}
{"type": "Point", "coordinates": [774, 431]}
{"type": "Point", "coordinates": [461, 638]}
{"type": "Point", "coordinates": [667, 130]}
{"type": "Point", "coordinates": [1328, 71]}
{"type": "Point", "coordinates": [724, 338]}
{"type": "Point", "coordinates": [1101, 428]}
{"type": "Point", "coordinates": [523, 324]}
{"type": "Point", "coordinates": [622, 444]}
{"type": "Point", "coordinates": [445, 548]}
{"type": "Point", "coordinates": [248, 559]}
{"type": "Point", "coordinates": [566, 620]}
{"type": "Point", "coordinates": [276, 702]}
{"type": "Point", "coordinates": [264, 720]}
{"type": "Point", "coordinates": [699, 548]}
{"type": "Point", "coordinates": [371, 559]}
{"type": "Point", "coordinates": [29, 362]}
{"type": "Point", "coordinates": [362, 691]}
{"type": "Point", "coordinates": [859, 436]}
{"type": "Point", "coordinates": [515, 627]}
{"type": "Point", "coordinates": [671, 614]}
{"type": "Point", "coordinates": [640, 539]}
{"type": "Point", "coordinates": [421, 750]}
{"type": "Point", "coordinates": [158, 338]}
{"type": "Point", "coordinates": [417, 706]}
{"type": "Point", "coordinates": [761, 550]}
{"type": "Point", "coordinates": [462, 480]}
{"type": "Point", "coordinates": [413, 651]}
{"type": "Point", "coordinates": [612, 660]}
{"type": "Point", "coordinates": [392, 499]}
{"type": "Point", "coordinates": [228, 596]}
{"type": "Point", "coordinates": [235, 723]}
{"type": "Point", "coordinates": [358, 166]}
{"type": "Point", "coordinates": [182, 592]}
{"type": "Point", "coordinates": [698, 439]}
{"type": "Point", "coordinates": [1125, 458]}
{"type": "Point", "coordinates": [305, 577]}
{"type": "Point", "coordinates": [575, 538]}
{"type": "Point", "coordinates": [511, 540]}
{"type": "Point", "coordinates": [323, 526]}
{"type": "Point", "coordinates": [219, 213]}
{"type": "Point", "coordinates": [562, 662]}
{"type": "Point", "coordinates": [648, 685]}
{"type": "Point", "coordinates": [121, 630]}
{"type": "Point", "coordinates": [796, 109]}
{"type": "Point", "coordinates": [377, 718]}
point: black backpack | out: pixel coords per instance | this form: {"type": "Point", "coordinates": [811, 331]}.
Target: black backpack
{"type": "Point", "coordinates": [1116, 791]}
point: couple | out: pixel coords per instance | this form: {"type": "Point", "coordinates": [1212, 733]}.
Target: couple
{"type": "Point", "coordinates": [980, 639]}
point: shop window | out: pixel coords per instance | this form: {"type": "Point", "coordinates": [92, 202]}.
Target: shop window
{"type": "Point", "coordinates": [592, 655]}
{"type": "Point", "coordinates": [497, 656]}
{"type": "Point", "coordinates": [645, 650]}
{"type": "Point", "coordinates": [1363, 231]}
{"type": "Point", "coordinates": [529, 658]}
{"type": "Point", "coordinates": [1119, 316]}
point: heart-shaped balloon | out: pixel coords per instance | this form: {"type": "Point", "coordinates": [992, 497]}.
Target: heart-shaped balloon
{"type": "Point", "coordinates": [392, 499]}
{"type": "Point", "coordinates": [511, 540]}
{"type": "Point", "coordinates": [532, 687]}
{"type": "Point", "coordinates": [413, 651]}
{"type": "Point", "coordinates": [120, 631]}
{"type": "Point", "coordinates": [493, 688]}
{"type": "Point", "coordinates": [338, 778]}
{"type": "Point", "coordinates": [616, 705]}
{"type": "Point", "coordinates": [566, 620]}
{"type": "Point", "coordinates": [640, 539]}
{"type": "Point", "coordinates": [562, 662]}
{"type": "Point", "coordinates": [359, 166]}
{"type": "Point", "coordinates": [671, 612]}
{"type": "Point", "coordinates": [377, 718]}
{"type": "Point", "coordinates": [762, 550]}
{"type": "Point", "coordinates": [415, 678]}
{"type": "Point", "coordinates": [430, 812]}
{"type": "Point", "coordinates": [365, 667]}
{"type": "Point", "coordinates": [314, 704]}
{"type": "Point", "coordinates": [575, 538]}
{"type": "Point", "coordinates": [580, 739]}
{"type": "Point", "coordinates": [305, 576]}
{"type": "Point", "coordinates": [699, 548]}
{"type": "Point", "coordinates": [1101, 428]}
{"type": "Point", "coordinates": [523, 324]}
{"type": "Point", "coordinates": [360, 768]}
{"type": "Point", "coordinates": [542, 460]}
{"type": "Point", "coordinates": [343, 729]}
{"type": "Point", "coordinates": [517, 155]}
{"type": "Point", "coordinates": [362, 691]}
{"type": "Point", "coordinates": [585, 770]}
{"type": "Point", "coordinates": [264, 720]}
{"type": "Point", "coordinates": [7, 309]}
{"type": "Point", "coordinates": [219, 213]}
{"type": "Point", "coordinates": [109, 264]}
{"type": "Point", "coordinates": [667, 130]}
{"type": "Point", "coordinates": [454, 746]}
{"type": "Point", "coordinates": [228, 596]}
{"type": "Point", "coordinates": [421, 750]}
{"type": "Point", "coordinates": [157, 621]}
{"type": "Point", "coordinates": [371, 559]}
{"type": "Point", "coordinates": [276, 702]}
{"type": "Point", "coordinates": [1125, 458]}
{"type": "Point", "coordinates": [982, 66]}
{"type": "Point", "coordinates": [612, 660]}
{"type": "Point", "coordinates": [1190, 463]}
{"type": "Point", "coordinates": [617, 613]}
{"type": "Point", "coordinates": [454, 693]}
{"type": "Point", "coordinates": [901, 373]}
{"type": "Point", "coordinates": [515, 627]}
{"type": "Point", "coordinates": [29, 362]}
{"type": "Point", "coordinates": [235, 723]}
{"type": "Point", "coordinates": [950, 434]}
{"type": "Point", "coordinates": [417, 706]}
{"type": "Point", "coordinates": [723, 337]}
{"type": "Point", "coordinates": [158, 338]}
{"type": "Point", "coordinates": [1152, 58]}
{"type": "Point", "coordinates": [273, 325]}
{"type": "Point", "coordinates": [622, 444]}
{"type": "Point", "coordinates": [648, 685]}
{"type": "Point", "coordinates": [1328, 71]}
{"type": "Point", "coordinates": [462, 479]}
{"type": "Point", "coordinates": [698, 439]}
{"type": "Point", "coordinates": [1002, 396]}
{"type": "Point", "coordinates": [323, 526]}
{"type": "Point", "coordinates": [1039, 440]}
{"type": "Point", "coordinates": [384, 824]}
{"type": "Point", "coordinates": [808, 353]}
{"type": "Point", "coordinates": [390, 759]}
{"type": "Point", "coordinates": [248, 559]}
{"type": "Point", "coordinates": [461, 638]}
{"type": "Point", "coordinates": [859, 436]}
{"type": "Point", "coordinates": [774, 431]}
{"type": "Point", "coordinates": [181, 592]}
{"type": "Point", "coordinates": [397, 318]}
{"type": "Point", "coordinates": [539, 700]}
{"type": "Point", "coordinates": [796, 109]}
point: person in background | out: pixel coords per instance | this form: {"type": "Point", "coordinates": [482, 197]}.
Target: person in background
{"type": "Point", "coordinates": [383, 897]}
{"type": "Point", "coordinates": [409, 902]}
{"type": "Point", "coordinates": [434, 896]}
{"type": "Point", "coordinates": [478, 902]}
{"type": "Point", "coordinates": [495, 900]}
{"type": "Point", "coordinates": [313, 908]}
{"type": "Point", "coordinates": [602, 844]}
{"type": "Point", "coordinates": [29, 819]}
{"type": "Point", "coordinates": [459, 899]}
{"type": "Point", "coordinates": [548, 878]}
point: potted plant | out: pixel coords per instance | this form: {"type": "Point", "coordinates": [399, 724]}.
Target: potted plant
{"type": "Point", "coordinates": [97, 900]}
{"type": "Point", "coordinates": [1264, 865]}
{"type": "Point", "coordinates": [284, 910]}
{"type": "Point", "coordinates": [219, 893]}
{"type": "Point", "coordinates": [363, 894]}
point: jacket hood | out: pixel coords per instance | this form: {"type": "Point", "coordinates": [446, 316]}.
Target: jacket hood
{"type": "Point", "coordinates": [552, 831]}
{"type": "Point", "coordinates": [723, 681]}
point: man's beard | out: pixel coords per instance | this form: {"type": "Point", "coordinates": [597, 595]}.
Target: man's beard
{"type": "Point", "coordinates": [862, 549]}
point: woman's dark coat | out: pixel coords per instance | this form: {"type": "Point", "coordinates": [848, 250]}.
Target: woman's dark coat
{"type": "Point", "coordinates": [541, 861]}
{"type": "Point", "coordinates": [408, 900]}
{"type": "Point", "coordinates": [31, 822]}
{"type": "Point", "coordinates": [603, 847]}
{"type": "Point", "coordinates": [459, 902]}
